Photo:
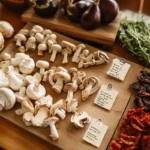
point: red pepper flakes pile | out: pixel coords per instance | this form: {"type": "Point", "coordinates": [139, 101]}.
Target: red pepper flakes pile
{"type": "Point", "coordinates": [134, 133]}
{"type": "Point", "coordinates": [142, 87]}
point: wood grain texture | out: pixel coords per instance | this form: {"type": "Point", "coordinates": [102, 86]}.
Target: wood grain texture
{"type": "Point", "coordinates": [60, 23]}
{"type": "Point", "coordinates": [65, 129]}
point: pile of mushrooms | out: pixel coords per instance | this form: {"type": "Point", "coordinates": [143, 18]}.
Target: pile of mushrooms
{"type": "Point", "coordinates": [43, 40]}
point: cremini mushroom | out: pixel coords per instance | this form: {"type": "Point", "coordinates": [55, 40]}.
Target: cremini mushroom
{"type": "Point", "coordinates": [27, 65]}
{"type": "Point", "coordinates": [51, 72]}
{"type": "Point", "coordinates": [21, 95]}
{"type": "Point", "coordinates": [61, 76]}
{"type": "Point", "coordinates": [6, 29]}
{"type": "Point", "coordinates": [40, 116]}
{"type": "Point", "coordinates": [51, 123]}
{"type": "Point", "coordinates": [7, 99]}
{"type": "Point", "coordinates": [42, 65]}
{"type": "Point", "coordinates": [26, 106]}
{"type": "Point", "coordinates": [66, 52]}
{"type": "Point", "coordinates": [16, 80]}
{"type": "Point", "coordinates": [77, 50]}
{"type": "Point", "coordinates": [89, 86]}
{"type": "Point", "coordinates": [27, 118]}
{"type": "Point", "coordinates": [56, 48]}
{"type": "Point", "coordinates": [6, 56]}
{"type": "Point", "coordinates": [41, 48]}
{"type": "Point", "coordinates": [82, 58]}
{"type": "Point", "coordinates": [20, 39]}
{"type": "Point", "coordinates": [79, 119]}
{"type": "Point", "coordinates": [4, 82]}
{"type": "Point", "coordinates": [39, 37]}
{"type": "Point", "coordinates": [35, 91]}
{"type": "Point", "coordinates": [57, 109]}
{"type": "Point", "coordinates": [31, 44]}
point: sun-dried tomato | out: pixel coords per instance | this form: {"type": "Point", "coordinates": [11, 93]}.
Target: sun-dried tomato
{"type": "Point", "coordinates": [130, 148]}
{"type": "Point", "coordinates": [115, 144]}
{"type": "Point", "coordinates": [146, 142]}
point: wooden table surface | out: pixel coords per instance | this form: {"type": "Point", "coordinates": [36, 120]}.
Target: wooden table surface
{"type": "Point", "coordinates": [15, 138]}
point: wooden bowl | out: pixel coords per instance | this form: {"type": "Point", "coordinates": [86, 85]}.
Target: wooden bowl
{"type": "Point", "coordinates": [16, 5]}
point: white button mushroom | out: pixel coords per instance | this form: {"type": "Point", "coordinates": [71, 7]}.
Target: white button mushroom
{"type": "Point", "coordinates": [66, 44]}
{"type": "Point", "coordinates": [77, 50]}
{"type": "Point", "coordinates": [51, 72]}
{"type": "Point", "coordinates": [66, 52]}
{"type": "Point", "coordinates": [7, 99]}
{"type": "Point", "coordinates": [35, 91]}
{"type": "Point", "coordinates": [79, 119]}
{"type": "Point", "coordinates": [1, 41]}
{"type": "Point", "coordinates": [6, 29]}
{"type": "Point", "coordinates": [39, 37]}
{"type": "Point", "coordinates": [60, 77]}
{"type": "Point", "coordinates": [27, 65]}
{"type": "Point", "coordinates": [41, 48]}
{"type": "Point", "coordinates": [20, 39]}
{"type": "Point", "coordinates": [31, 44]}
{"type": "Point", "coordinates": [26, 106]}
{"type": "Point", "coordinates": [50, 44]}
{"type": "Point", "coordinates": [51, 123]}
{"type": "Point", "coordinates": [36, 78]}
{"type": "Point", "coordinates": [53, 38]}
{"type": "Point", "coordinates": [47, 32]}
{"type": "Point", "coordinates": [3, 79]}
{"type": "Point", "coordinates": [24, 32]}
{"type": "Point", "coordinates": [89, 86]}
{"type": "Point", "coordinates": [38, 28]}
{"type": "Point", "coordinates": [27, 117]}
{"type": "Point", "coordinates": [6, 56]}
{"type": "Point", "coordinates": [56, 48]}
{"type": "Point", "coordinates": [42, 65]}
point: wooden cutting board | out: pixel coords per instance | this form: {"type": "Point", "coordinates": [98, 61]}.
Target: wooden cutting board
{"type": "Point", "coordinates": [70, 137]}
{"type": "Point", "coordinates": [60, 23]}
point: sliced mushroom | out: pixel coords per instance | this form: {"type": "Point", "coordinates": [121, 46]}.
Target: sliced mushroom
{"type": "Point", "coordinates": [27, 118]}
{"type": "Point", "coordinates": [79, 119]}
{"type": "Point", "coordinates": [26, 106]}
{"type": "Point", "coordinates": [16, 80]}
{"type": "Point", "coordinates": [51, 123]}
{"type": "Point", "coordinates": [82, 58]}
{"type": "Point", "coordinates": [20, 39]}
{"type": "Point", "coordinates": [40, 116]}
{"type": "Point", "coordinates": [90, 63]}
{"type": "Point", "coordinates": [31, 44]}
{"type": "Point", "coordinates": [41, 48]}
{"type": "Point", "coordinates": [7, 99]}
{"type": "Point", "coordinates": [89, 86]}
{"type": "Point", "coordinates": [56, 48]}
{"type": "Point", "coordinates": [27, 65]}
{"type": "Point", "coordinates": [78, 50]}
{"type": "Point", "coordinates": [57, 109]}
{"type": "Point", "coordinates": [42, 65]}
{"type": "Point", "coordinates": [35, 91]}
{"type": "Point", "coordinates": [60, 77]}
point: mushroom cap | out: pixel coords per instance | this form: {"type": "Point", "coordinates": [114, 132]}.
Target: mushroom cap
{"type": "Point", "coordinates": [53, 36]}
{"type": "Point", "coordinates": [39, 37]}
{"type": "Point", "coordinates": [32, 39]}
{"type": "Point", "coordinates": [9, 97]}
{"type": "Point", "coordinates": [38, 28]}
{"type": "Point", "coordinates": [50, 43]}
{"type": "Point", "coordinates": [70, 86]}
{"type": "Point", "coordinates": [85, 52]}
{"type": "Point", "coordinates": [42, 47]}
{"type": "Point", "coordinates": [24, 32]}
{"type": "Point", "coordinates": [56, 47]}
{"type": "Point", "coordinates": [67, 50]}
{"type": "Point", "coordinates": [32, 31]}
{"type": "Point", "coordinates": [6, 56]}
{"type": "Point", "coordinates": [49, 120]}
{"type": "Point", "coordinates": [64, 75]}
{"type": "Point", "coordinates": [82, 46]}
{"type": "Point", "coordinates": [61, 69]}
{"type": "Point", "coordinates": [73, 71]}
{"type": "Point", "coordinates": [86, 81]}
{"type": "Point", "coordinates": [42, 64]}
{"type": "Point", "coordinates": [46, 31]}
{"type": "Point", "coordinates": [20, 37]}
{"type": "Point", "coordinates": [36, 78]}
{"type": "Point", "coordinates": [66, 44]}
{"type": "Point", "coordinates": [4, 82]}
{"type": "Point", "coordinates": [27, 105]}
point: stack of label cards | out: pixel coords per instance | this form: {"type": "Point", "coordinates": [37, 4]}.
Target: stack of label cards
{"type": "Point", "coordinates": [118, 69]}
{"type": "Point", "coordinates": [95, 133]}
{"type": "Point", "coordinates": [106, 96]}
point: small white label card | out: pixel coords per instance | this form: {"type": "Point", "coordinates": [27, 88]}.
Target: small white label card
{"type": "Point", "coordinates": [95, 133]}
{"type": "Point", "coordinates": [118, 69]}
{"type": "Point", "coordinates": [106, 96]}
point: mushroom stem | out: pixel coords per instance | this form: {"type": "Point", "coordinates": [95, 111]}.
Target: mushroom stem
{"type": "Point", "coordinates": [69, 96]}
{"type": "Point", "coordinates": [86, 92]}
{"type": "Point", "coordinates": [53, 130]}
{"type": "Point", "coordinates": [58, 85]}
{"type": "Point", "coordinates": [18, 42]}
{"type": "Point", "coordinates": [42, 70]}
{"type": "Point", "coordinates": [2, 104]}
{"type": "Point", "coordinates": [20, 111]}
{"type": "Point", "coordinates": [60, 113]}
{"type": "Point", "coordinates": [22, 91]}
{"type": "Point", "coordinates": [53, 56]}
{"type": "Point", "coordinates": [65, 59]}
